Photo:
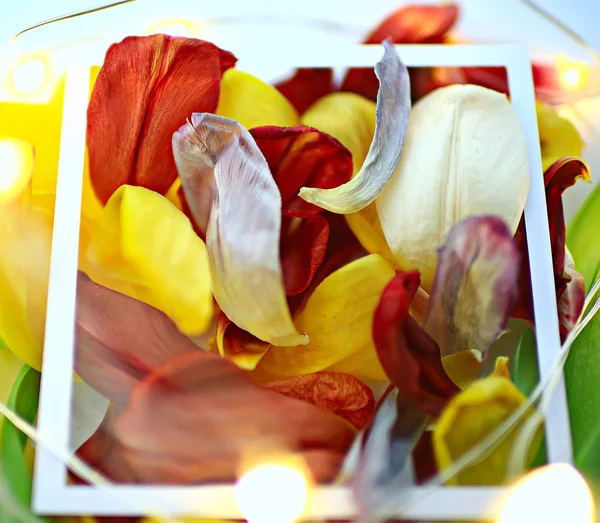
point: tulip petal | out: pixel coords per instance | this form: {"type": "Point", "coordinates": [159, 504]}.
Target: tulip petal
{"type": "Point", "coordinates": [238, 345]}
{"type": "Point", "coordinates": [410, 357]}
{"type": "Point", "coordinates": [393, 110]}
{"type": "Point", "coordinates": [252, 102]}
{"type": "Point", "coordinates": [243, 229]}
{"type": "Point", "coordinates": [306, 86]}
{"type": "Point", "coordinates": [563, 174]}
{"type": "Point", "coordinates": [463, 367]}
{"type": "Point", "coordinates": [337, 317]}
{"type": "Point", "coordinates": [474, 290]}
{"type": "Point", "coordinates": [120, 340]}
{"type": "Point", "coordinates": [211, 415]}
{"type": "Point", "coordinates": [300, 156]}
{"type": "Point", "coordinates": [144, 92]}
{"type": "Point", "coordinates": [469, 418]}
{"type": "Point", "coordinates": [144, 247]}
{"type": "Point", "coordinates": [385, 464]}
{"type": "Point", "coordinates": [335, 392]}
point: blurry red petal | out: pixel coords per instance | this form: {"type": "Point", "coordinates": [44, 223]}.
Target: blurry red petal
{"type": "Point", "coordinates": [302, 252]}
{"type": "Point", "coordinates": [336, 392]}
{"type": "Point", "coordinates": [424, 461]}
{"type": "Point", "coordinates": [559, 177]}
{"type": "Point", "coordinates": [409, 356]}
{"type": "Point", "coordinates": [195, 418]}
{"type": "Point", "coordinates": [302, 157]}
{"type": "Point", "coordinates": [306, 86]}
{"type": "Point", "coordinates": [119, 340]}
{"type": "Point", "coordinates": [146, 89]}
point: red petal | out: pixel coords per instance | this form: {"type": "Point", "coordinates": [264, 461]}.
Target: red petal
{"type": "Point", "coordinates": [302, 252]}
{"type": "Point", "coordinates": [557, 178]}
{"type": "Point", "coordinates": [306, 86]}
{"type": "Point", "coordinates": [413, 24]}
{"type": "Point", "coordinates": [119, 340]}
{"type": "Point", "coordinates": [423, 458]}
{"type": "Point", "coordinates": [196, 417]}
{"type": "Point", "coordinates": [237, 341]}
{"type": "Point", "coordinates": [302, 157]}
{"type": "Point", "coordinates": [336, 392]}
{"type": "Point", "coordinates": [409, 356]}
{"type": "Point", "coordinates": [146, 89]}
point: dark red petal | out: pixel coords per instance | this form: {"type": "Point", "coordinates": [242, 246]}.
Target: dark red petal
{"type": "Point", "coordinates": [336, 392]}
{"type": "Point", "coordinates": [306, 86]}
{"type": "Point", "coordinates": [302, 252]}
{"type": "Point", "coordinates": [146, 89]}
{"type": "Point", "coordinates": [119, 340]}
{"type": "Point", "coordinates": [302, 157]}
{"type": "Point", "coordinates": [409, 356]}
{"type": "Point", "coordinates": [557, 178]}
{"type": "Point", "coordinates": [236, 341]}
{"type": "Point", "coordinates": [197, 416]}
{"type": "Point", "coordinates": [423, 458]}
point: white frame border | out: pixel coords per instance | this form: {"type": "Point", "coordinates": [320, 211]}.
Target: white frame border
{"type": "Point", "coordinates": [52, 495]}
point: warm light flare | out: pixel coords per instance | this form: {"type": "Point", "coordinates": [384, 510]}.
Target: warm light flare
{"type": "Point", "coordinates": [16, 166]}
{"type": "Point", "coordinates": [552, 494]}
{"type": "Point", "coordinates": [30, 76]}
{"type": "Point", "coordinates": [272, 493]}
{"type": "Point", "coordinates": [572, 75]}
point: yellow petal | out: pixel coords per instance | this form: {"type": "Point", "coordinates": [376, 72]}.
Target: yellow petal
{"type": "Point", "coordinates": [350, 118]}
{"type": "Point", "coordinates": [146, 248]}
{"type": "Point", "coordinates": [501, 367]}
{"type": "Point", "coordinates": [172, 193]}
{"type": "Point", "coordinates": [558, 136]}
{"type": "Point", "coordinates": [364, 364]}
{"type": "Point", "coordinates": [253, 102]}
{"type": "Point", "coordinates": [338, 319]}
{"type": "Point", "coordinates": [463, 367]}
{"type": "Point", "coordinates": [470, 417]}
{"type": "Point", "coordinates": [10, 366]}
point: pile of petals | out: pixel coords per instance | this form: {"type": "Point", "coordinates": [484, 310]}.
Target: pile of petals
{"type": "Point", "coordinates": [258, 263]}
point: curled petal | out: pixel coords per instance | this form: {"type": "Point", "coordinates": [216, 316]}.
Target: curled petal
{"type": "Point", "coordinates": [337, 317]}
{"type": "Point", "coordinates": [211, 415]}
{"type": "Point", "coordinates": [143, 94]}
{"type": "Point", "coordinates": [306, 86]}
{"type": "Point", "coordinates": [474, 290]}
{"type": "Point", "coordinates": [393, 110]}
{"type": "Point", "coordinates": [119, 340]}
{"type": "Point", "coordinates": [238, 345]}
{"type": "Point", "coordinates": [244, 224]}
{"type": "Point", "coordinates": [143, 246]}
{"type": "Point", "coordinates": [252, 102]}
{"type": "Point", "coordinates": [302, 252]}
{"type": "Point", "coordinates": [570, 303]}
{"type": "Point", "coordinates": [469, 418]}
{"type": "Point", "coordinates": [410, 357]}
{"type": "Point", "coordinates": [335, 392]}
{"type": "Point", "coordinates": [300, 156]}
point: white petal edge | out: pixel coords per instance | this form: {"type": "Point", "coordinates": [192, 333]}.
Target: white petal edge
{"type": "Point", "coordinates": [393, 111]}
{"type": "Point", "coordinates": [244, 222]}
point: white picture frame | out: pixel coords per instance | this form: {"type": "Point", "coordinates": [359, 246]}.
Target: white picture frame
{"type": "Point", "coordinates": [53, 496]}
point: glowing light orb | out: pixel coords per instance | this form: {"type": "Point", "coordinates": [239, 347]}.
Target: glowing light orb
{"type": "Point", "coordinates": [16, 166]}
{"type": "Point", "coordinates": [30, 76]}
{"type": "Point", "coordinates": [553, 494]}
{"type": "Point", "coordinates": [272, 493]}
{"type": "Point", "coordinates": [572, 75]}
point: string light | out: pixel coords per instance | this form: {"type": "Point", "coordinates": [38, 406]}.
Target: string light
{"type": "Point", "coordinates": [553, 494]}
{"type": "Point", "coordinates": [16, 166]}
{"type": "Point", "coordinates": [272, 493]}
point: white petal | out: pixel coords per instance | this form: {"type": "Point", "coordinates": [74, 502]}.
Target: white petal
{"type": "Point", "coordinates": [244, 223]}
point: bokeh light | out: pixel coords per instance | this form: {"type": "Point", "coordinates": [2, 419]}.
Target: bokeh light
{"type": "Point", "coordinates": [16, 167]}
{"type": "Point", "coordinates": [30, 76]}
{"type": "Point", "coordinates": [573, 75]}
{"type": "Point", "coordinates": [552, 494]}
{"type": "Point", "coordinates": [272, 493]}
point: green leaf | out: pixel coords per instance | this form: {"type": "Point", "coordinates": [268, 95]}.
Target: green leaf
{"type": "Point", "coordinates": [24, 401]}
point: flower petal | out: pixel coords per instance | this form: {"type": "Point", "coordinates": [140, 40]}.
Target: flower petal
{"type": "Point", "coordinates": [469, 418]}
{"type": "Point", "coordinates": [300, 156]}
{"type": "Point", "coordinates": [337, 317]}
{"type": "Point", "coordinates": [252, 102]}
{"type": "Point", "coordinates": [475, 286]}
{"type": "Point", "coordinates": [144, 247]}
{"type": "Point", "coordinates": [306, 86]}
{"type": "Point", "coordinates": [335, 392]}
{"type": "Point", "coordinates": [120, 340]}
{"type": "Point", "coordinates": [410, 357]}
{"type": "Point", "coordinates": [463, 367]}
{"type": "Point", "coordinates": [570, 303]}
{"type": "Point", "coordinates": [563, 174]}
{"type": "Point", "coordinates": [238, 345]}
{"type": "Point", "coordinates": [393, 110]}
{"type": "Point", "coordinates": [143, 94]}
{"type": "Point", "coordinates": [485, 172]}
{"type": "Point", "coordinates": [212, 415]}
{"type": "Point", "coordinates": [244, 223]}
